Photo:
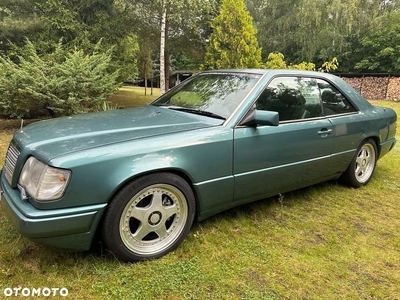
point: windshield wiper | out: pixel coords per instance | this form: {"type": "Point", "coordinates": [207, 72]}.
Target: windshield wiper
{"type": "Point", "coordinates": [197, 112]}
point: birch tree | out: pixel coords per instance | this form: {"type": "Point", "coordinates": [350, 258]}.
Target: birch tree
{"type": "Point", "coordinates": [164, 34]}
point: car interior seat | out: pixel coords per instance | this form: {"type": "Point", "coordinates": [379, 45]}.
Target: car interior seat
{"type": "Point", "coordinates": [294, 105]}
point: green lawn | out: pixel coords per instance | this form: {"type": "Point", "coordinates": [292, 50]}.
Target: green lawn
{"type": "Point", "coordinates": [323, 242]}
{"type": "Point", "coordinates": [131, 96]}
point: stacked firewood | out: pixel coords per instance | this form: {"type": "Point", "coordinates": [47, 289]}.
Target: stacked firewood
{"type": "Point", "coordinates": [393, 91]}
{"type": "Point", "coordinates": [376, 87]}
{"type": "Point", "coordinates": [355, 82]}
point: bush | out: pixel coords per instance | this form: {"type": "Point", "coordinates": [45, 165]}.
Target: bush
{"type": "Point", "coordinates": [276, 60]}
{"type": "Point", "coordinates": [60, 83]}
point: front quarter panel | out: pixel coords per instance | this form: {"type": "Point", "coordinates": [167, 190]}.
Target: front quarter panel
{"type": "Point", "coordinates": [204, 156]}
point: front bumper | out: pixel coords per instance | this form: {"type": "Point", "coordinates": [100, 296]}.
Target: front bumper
{"type": "Point", "coordinates": [68, 228]}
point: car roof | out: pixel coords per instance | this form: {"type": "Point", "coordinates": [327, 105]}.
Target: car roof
{"type": "Point", "coordinates": [253, 71]}
{"type": "Point", "coordinates": [273, 72]}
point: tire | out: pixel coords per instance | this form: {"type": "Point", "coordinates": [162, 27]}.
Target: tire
{"type": "Point", "coordinates": [149, 217]}
{"type": "Point", "coordinates": [362, 166]}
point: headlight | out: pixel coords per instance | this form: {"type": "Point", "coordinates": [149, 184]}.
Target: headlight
{"type": "Point", "coordinates": [43, 182]}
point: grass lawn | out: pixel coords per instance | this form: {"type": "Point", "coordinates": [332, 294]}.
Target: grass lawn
{"type": "Point", "coordinates": [131, 96]}
{"type": "Point", "coordinates": [323, 242]}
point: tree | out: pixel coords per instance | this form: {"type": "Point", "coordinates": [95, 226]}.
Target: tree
{"type": "Point", "coordinates": [145, 63]}
{"type": "Point", "coordinates": [163, 54]}
{"type": "Point", "coordinates": [233, 42]}
{"type": "Point", "coordinates": [78, 24]}
{"type": "Point", "coordinates": [379, 49]}
{"type": "Point", "coordinates": [183, 27]}
{"type": "Point", "coordinates": [180, 28]}
{"type": "Point", "coordinates": [18, 19]}
{"type": "Point", "coordinates": [309, 30]}
{"type": "Point", "coordinates": [189, 29]}
{"type": "Point", "coordinates": [276, 60]}
{"type": "Point", "coordinates": [60, 83]}
{"type": "Point", "coordinates": [276, 24]}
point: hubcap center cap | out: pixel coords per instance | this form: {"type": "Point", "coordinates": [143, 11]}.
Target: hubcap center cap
{"type": "Point", "coordinates": [155, 218]}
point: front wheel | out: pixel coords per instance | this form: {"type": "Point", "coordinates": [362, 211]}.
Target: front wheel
{"type": "Point", "coordinates": [362, 166]}
{"type": "Point", "coordinates": [149, 217]}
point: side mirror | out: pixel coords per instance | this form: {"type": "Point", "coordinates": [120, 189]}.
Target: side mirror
{"type": "Point", "coordinates": [265, 117]}
{"type": "Point", "coordinates": [260, 117]}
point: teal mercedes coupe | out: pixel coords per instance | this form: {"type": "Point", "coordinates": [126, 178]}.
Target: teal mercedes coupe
{"type": "Point", "coordinates": [138, 178]}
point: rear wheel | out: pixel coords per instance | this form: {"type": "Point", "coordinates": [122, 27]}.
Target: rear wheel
{"type": "Point", "coordinates": [149, 217]}
{"type": "Point", "coordinates": [362, 166]}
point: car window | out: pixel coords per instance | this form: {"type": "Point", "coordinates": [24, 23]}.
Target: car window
{"type": "Point", "coordinates": [294, 98]}
{"type": "Point", "coordinates": [216, 93]}
{"type": "Point", "coordinates": [333, 101]}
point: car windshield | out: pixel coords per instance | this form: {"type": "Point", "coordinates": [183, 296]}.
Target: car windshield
{"type": "Point", "coordinates": [211, 94]}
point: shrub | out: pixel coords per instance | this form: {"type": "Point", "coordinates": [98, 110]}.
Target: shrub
{"type": "Point", "coordinates": [56, 84]}
{"type": "Point", "coordinates": [276, 60]}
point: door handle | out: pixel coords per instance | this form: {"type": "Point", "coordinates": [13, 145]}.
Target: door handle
{"type": "Point", "coordinates": [324, 132]}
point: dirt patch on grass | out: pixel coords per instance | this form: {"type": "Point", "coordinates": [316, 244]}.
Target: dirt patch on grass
{"type": "Point", "coordinates": [13, 124]}
{"type": "Point", "coordinates": [9, 124]}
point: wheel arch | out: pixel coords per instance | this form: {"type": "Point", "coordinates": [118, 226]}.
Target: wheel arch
{"type": "Point", "coordinates": [145, 237]}
{"type": "Point", "coordinates": [376, 140]}
{"type": "Point", "coordinates": [354, 177]}
{"type": "Point", "coordinates": [130, 179]}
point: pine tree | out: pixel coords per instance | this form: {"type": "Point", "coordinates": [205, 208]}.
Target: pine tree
{"type": "Point", "coordinates": [233, 42]}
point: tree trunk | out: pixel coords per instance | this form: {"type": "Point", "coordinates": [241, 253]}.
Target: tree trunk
{"type": "Point", "coordinates": [145, 85]}
{"type": "Point", "coordinates": [166, 68]}
{"type": "Point", "coordinates": [163, 87]}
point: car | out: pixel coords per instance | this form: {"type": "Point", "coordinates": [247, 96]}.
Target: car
{"type": "Point", "coordinates": [138, 178]}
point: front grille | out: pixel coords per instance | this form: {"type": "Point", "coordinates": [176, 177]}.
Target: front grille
{"type": "Point", "coordinates": [11, 161]}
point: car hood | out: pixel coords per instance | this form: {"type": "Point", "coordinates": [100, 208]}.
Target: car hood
{"type": "Point", "coordinates": [55, 137]}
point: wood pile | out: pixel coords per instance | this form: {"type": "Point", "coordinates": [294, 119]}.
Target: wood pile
{"type": "Point", "coordinates": [355, 82]}
{"type": "Point", "coordinates": [374, 88]}
{"type": "Point", "coordinates": [393, 91]}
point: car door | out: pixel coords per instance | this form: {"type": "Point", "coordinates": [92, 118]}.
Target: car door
{"type": "Point", "coordinates": [345, 122]}
{"type": "Point", "coordinates": [274, 159]}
